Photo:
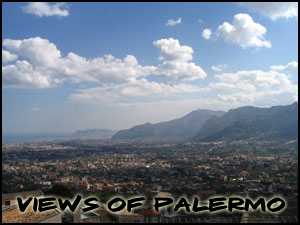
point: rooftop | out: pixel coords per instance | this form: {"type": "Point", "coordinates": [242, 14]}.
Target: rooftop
{"type": "Point", "coordinates": [23, 194]}
{"type": "Point", "coordinates": [13, 215]}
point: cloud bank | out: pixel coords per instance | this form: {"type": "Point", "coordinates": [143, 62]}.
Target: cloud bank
{"type": "Point", "coordinates": [257, 86]}
{"type": "Point", "coordinates": [274, 10]}
{"type": "Point", "coordinates": [124, 82]}
{"type": "Point", "coordinates": [45, 9]}
{"type": "Point", "coordinates": [44, 66]}
{"type": "Point", "coordinates": [7, 56]}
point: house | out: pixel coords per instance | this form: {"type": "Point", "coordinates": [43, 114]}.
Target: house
{"type": "Point", "coordinates": [13, 215]}
{"type": "Point", "coordinates": [128, 217]}
{"type": "Point", "coordinates": [11, 198]}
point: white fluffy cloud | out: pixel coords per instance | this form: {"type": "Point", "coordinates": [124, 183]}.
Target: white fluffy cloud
{"type": "Point", "coordinates": [40, 52]}
{"type": "Point", "coordinates": [49, 68]}
{"type": "Point", "coordinates": [23, 75]}
{"type": "Point", "coordinates": [219, 68]}
{"type": "Point", "coordinates": [171, 50]}
{"type": "Point", "coordinates": [261, 79]}
{"type": "Point", "coordinates": [290, 68]}
{"type": "Point", "coordinates": [274, 10]}
{"type": "Point", "coordinates": [175, 65]}
{"type": "Point", "coordinates": [206, 33]}
{"type": "Point", "coordinates": [244, 32]}
{"type": "Point", "coordinates": [7, 56]}
{"type": "Point", "coordinates": [104, 70]}
{"type": "Point", "coordinates": [228, 90]}
{"type": "Point", "coordinates": [134, 90]}
{"type": "Point", "coordinates": [45, 9]}
{"type": "Point", "coordinates": [41, 65]}
{"type": "Point", "coordinates": [172, 22]}
{"type": "Point", "coordinates": [255, 86]}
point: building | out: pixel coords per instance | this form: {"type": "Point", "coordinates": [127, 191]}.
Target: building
{"type": "Point", "coordinates": [99, 215]}
{"type": "Point", "coordinates": [13, 215]}
{"type": "Point", "coordinates": [11, 198]}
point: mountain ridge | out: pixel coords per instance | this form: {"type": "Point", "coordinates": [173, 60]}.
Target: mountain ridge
{"type": "Point", "coordinates": [275, 122]}
{"type": "Point", "coordinates": [93, 133]}
{"type": "Point", "coordinates": [208, 125]}
{"type": "Point", "coordinates": [178, 129]}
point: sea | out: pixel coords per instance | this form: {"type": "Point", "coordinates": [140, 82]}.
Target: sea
{"type": "Point", "coordinates": [11, 138]}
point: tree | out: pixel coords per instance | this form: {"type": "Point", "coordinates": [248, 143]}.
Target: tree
{"type": "Point", "coordinates": [61, 191]}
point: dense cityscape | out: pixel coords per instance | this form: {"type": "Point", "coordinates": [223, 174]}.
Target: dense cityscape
{"type": "Point", "coordinates": [109, 167]}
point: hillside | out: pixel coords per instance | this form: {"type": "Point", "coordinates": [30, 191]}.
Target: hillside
{"type": "Point", "coordinates": [277, 122]}
{"type": "Point", "coordinates": [175, 130]}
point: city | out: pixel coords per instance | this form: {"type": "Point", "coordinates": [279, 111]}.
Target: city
{"type": "Point", "coordinates": [107, 168]}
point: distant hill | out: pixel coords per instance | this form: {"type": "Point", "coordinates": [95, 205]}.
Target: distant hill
{"type": "Point", "coordinates": [175, 130]}
{"type": "Point", "coordinates": [277, 122]}
{"type": "Point", "coordinates": [215, 124]}
{"type": "Point", "coordinates": [94, 133]}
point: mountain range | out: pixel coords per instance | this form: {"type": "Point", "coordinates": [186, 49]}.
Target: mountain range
{"type": "Point", "coordinates": [93, 133]}
{"type": "Point", "coordinates": [277, 122]}
{"type": "Point", "coordinates": [175, 130]}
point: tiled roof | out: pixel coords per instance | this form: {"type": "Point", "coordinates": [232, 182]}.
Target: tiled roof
{"type": "Point", "coordinates": [13, 215]}
{"type": "Point", "coordinates": [23, 194]}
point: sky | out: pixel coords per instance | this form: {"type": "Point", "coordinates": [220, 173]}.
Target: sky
{"type": "Point", "coordinates": [71, 66]}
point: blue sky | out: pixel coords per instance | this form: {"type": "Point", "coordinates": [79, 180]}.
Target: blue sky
{"type": "Point", "coordinates": [69, 66]}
